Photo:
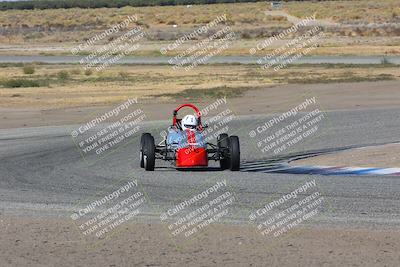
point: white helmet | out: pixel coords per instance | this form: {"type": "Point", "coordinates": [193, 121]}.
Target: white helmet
{"type": "Point", "coordinates": [189, 122]}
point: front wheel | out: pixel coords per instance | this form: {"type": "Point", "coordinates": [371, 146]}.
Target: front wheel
{"type": "Point", "coordinates": [142, 138]}
{"type": "Point", "coordinates": [149, 152]}
{"type": "Point", "coordinates": [234, 153]}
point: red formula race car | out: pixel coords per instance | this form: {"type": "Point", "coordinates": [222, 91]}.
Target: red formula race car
{"type": "Point", "coordinates": [186, 145]}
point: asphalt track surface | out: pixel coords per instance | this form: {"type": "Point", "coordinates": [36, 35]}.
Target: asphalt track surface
{"type": "Point", "coordinates": [43, 174]}
{"type": "Point", "coordinates": [216, 59]}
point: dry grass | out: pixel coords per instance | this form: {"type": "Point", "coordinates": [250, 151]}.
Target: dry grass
{"type": "Point", "coordinates": [364, 11]}
{"type": "Point", "coordinates": [81, 23]}
{"type": "Point", "coordinates": [328, 46]}
{"type": "Point", "coordinates": [240, 13]}
{"type": "Point", "coordinates": [248, 19]}
{"type": "Point", "coordinates": [147, 16]}
{"type": "Point", "coordinates": [111, 87]}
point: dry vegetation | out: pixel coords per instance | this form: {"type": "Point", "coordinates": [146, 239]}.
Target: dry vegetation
{"type": "Point", "coordinates": [348, 12]}
{"type": "Point", "coordinates": [51, 25]}
{"type": "Point", "coordinates": [68, 86]}
{"type": "Point", "coordinates": [151, 16]}
{"type": "Point", "coordinates": [366, 11]}
{"type": "Point", "coordinates": [371, 27]}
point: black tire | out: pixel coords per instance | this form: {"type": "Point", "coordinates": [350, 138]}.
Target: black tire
{"type": "Point", "coordinates": [142, 148]}
{"type": "Point", "coordinates": [149, 152]}
{"type": "Point", "coordinates": [223, 146]}
{"type": "Point", "coordinates": [234, 152]}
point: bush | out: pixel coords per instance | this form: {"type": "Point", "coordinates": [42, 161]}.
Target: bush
{"type": "Point", "coordinates": [63, 75]}
{"type": "Point", "coordinates": [28, 69]}
{"type": "Point", "coordinates": [16, 83]}
{"type": "Point", "coordinates": [88, 72]}
{"type": "Point", "coordinates": [76, 71]}
{"type": "Point", "coordinates": [123, 74]}
{"type": "Point", "coordinates": [171, 22]}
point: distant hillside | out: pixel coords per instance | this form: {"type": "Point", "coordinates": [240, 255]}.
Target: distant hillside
{"type": "Point", "coordinates": [55, 4]}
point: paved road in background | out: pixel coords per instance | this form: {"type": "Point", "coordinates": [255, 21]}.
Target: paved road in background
{"type": "Point", "coordinates": [216, 59]}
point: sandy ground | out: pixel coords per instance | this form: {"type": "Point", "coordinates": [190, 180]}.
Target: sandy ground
{"type": "Point", "coordinates": [334, 46]}
{"type": "Point", "coordinates": [269, 100]}
{"type": "Point", "coordinates": [55, 242]}
{"type": "Point", "coordinates": [377, 156]}
{"type": "Point", "coordinates": [119, 83]}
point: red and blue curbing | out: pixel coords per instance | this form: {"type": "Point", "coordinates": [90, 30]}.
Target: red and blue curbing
{"type": "Point", "coordinates": [321, 170]}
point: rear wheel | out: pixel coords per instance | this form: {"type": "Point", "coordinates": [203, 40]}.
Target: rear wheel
{"type": "Point", "coordinates": [234, 153]}
{"type": "Point", "coordinates": [149, 152]}
{"type": "Point", "coordinates": [223, 147]}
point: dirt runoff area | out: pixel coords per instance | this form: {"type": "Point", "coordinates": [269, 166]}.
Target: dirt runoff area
{"type": "Point", "coordinates": [385, 156]}
{"type": "Point", "coordinates": [265, 100]}
{"type": "Point", "coordinates": [56, 242]}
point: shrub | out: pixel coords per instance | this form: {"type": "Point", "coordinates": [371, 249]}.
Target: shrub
{"type": "Point", "coordinates": [16, 83]}
{"type": "Point", "coordinates": [28, 69]}
{"type": "Point", "coordinates": [246, 35]}
{"type": "Point", "coordinates": [76, 71]}
{"type": "Point", "coordinates": [88, 72]}
{"type": "Point", "coordinates": [123, 74]}
{"type": "Point", "coordinates": [171, 22]}
{"type": "Point", "coordinates": [63, 75]}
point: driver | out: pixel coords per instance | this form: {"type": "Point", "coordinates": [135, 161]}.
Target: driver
{"type": "Point", "coordinates": [189, 122]}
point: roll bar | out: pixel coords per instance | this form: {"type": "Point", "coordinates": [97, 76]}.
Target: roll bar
{"type": "Point", "coordinates": [198, 114]}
